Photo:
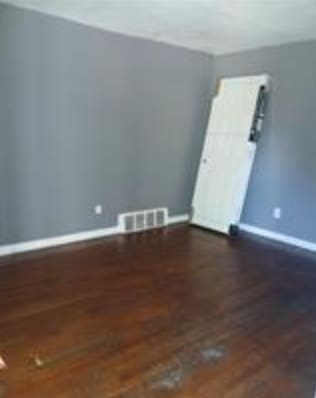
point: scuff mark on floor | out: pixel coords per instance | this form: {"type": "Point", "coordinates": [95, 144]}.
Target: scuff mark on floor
{"type": "Point", "coordinates": [212, 353]}
{"type": "Point", "coordinates": [170, 379]}
{"type": "Point", "coordinates": [173, 375]}
{"type": "Point", "coordinates": [38, 362]}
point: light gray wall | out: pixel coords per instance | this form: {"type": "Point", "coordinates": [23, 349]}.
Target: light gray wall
{"type": "Point", "coordinates": [91, 117]}
{"type": "Point", "coordinates": [284, 172]}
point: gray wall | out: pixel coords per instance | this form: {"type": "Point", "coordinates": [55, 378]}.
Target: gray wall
{"type": "Point", "coordinates": [284, 172]}
{"type": "Point", "coordinates": [90, 117]}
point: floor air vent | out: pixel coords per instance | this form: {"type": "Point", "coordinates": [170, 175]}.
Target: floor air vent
{"type": "Point", "coordinates": [143, 220]}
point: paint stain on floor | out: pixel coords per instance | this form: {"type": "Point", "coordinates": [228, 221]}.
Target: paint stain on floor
{"type": "Point", "coordinates": [170, 379]}
{"type": "Point", "coordinates": [3, 365]}
{"type": "Point", "coordinates": [38, 362]}
{"type": "Point", "coordinates": [173, 375]}
{"type": "Point", "coordinates": [212, 353]}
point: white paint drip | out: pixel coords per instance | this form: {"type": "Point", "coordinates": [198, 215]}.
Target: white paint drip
{"type": "Point", "coordinates": [3, 365]}
{"type": "Point", "coordinates": [169, 380]}
{"type": "Point", "coordinates": [212, 353]}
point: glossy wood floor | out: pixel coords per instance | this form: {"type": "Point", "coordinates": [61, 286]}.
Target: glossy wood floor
{"type": "Point", "coordinates": [173, 313]}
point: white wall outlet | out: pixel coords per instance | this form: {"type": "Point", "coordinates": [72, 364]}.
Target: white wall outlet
{"type": "Point", "coordinates": [98, 209]}
{"type": "Point", "coordinates": [277, 213]}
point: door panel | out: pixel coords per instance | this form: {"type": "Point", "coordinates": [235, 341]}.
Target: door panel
{"type": "Point", "coordinates": [227, 155]}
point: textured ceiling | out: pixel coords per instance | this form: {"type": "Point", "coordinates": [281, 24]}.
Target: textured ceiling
{"type": "Point", "coordinates": [213, 26]}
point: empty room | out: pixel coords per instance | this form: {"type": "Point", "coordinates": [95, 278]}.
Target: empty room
{"type": "Point", "coordinates": [157, 199]}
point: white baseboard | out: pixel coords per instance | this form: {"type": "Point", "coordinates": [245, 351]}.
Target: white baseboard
{"type": "Point", "coordinates": [15, 248]}
{"type": "Point", "coordinates": [57, 241]}
{"type": "Point", "coordinates": [181, 218]}
{"type": "Point", "coordinates": [290, 240]}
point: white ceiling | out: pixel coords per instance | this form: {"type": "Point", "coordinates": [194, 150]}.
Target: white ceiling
{"type": "Point", "coordinates": [213, 26]}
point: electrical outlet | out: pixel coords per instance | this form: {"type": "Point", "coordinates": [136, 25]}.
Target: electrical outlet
{"type": "Point", "coordinates": [277, 213]}
{"type": "Point", "coordinates": [98, 209]}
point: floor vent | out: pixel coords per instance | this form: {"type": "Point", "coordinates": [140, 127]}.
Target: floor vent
{"type": "Point", "coordinates": [143, 219]}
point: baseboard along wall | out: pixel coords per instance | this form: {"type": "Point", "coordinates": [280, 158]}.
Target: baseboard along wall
{"type": "Point", "coordinates": [39, 244]}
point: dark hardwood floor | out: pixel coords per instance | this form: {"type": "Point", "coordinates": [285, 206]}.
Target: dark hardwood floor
{"type": "Point", "coordinates": [170, 313]}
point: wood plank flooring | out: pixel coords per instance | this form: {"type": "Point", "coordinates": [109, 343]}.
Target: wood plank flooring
{"type": "Point", "coordinates": [178, 312]}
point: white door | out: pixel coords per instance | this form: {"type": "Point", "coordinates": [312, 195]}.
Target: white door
{"type": "Point", "coordinates": [228, 152]}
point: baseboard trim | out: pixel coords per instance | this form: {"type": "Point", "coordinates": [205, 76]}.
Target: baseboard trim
{"type": "Point", "coordinates": [57, 241]}
{"type": "Point", "coordinates": [179, 219]}
{"type": "Point", "coordinates": [289, 240]}
{"type": "Point", "coordinates": [6, 250]}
